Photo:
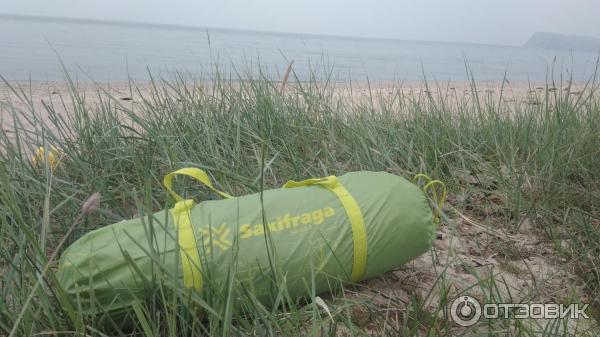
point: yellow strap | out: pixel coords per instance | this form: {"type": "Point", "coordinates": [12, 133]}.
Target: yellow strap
{"type": "Point", "coordinates": [188, 250]}
{"type": "Point", "coordinates": [195, 173]}
{"type": "Point", "coordinates": [359, 231]}
{"type": "Point", "coordinates": [430, 185]}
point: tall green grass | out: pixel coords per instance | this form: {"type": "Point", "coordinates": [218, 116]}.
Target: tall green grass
{"type": "Point", "coordinates": [539, 158]}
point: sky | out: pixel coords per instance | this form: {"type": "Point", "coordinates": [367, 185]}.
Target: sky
{"type": "Point", "coordinates": [509, 22]}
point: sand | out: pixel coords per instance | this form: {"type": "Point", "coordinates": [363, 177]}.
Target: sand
{"type": "Point", "coordinates": [55, 94]}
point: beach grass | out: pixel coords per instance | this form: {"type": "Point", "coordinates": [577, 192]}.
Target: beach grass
{"type": "Point", "coordinates": [508, 165]}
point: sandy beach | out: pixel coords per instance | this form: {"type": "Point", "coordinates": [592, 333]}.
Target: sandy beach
{"type": "Point", "coordinates": [55, 95]}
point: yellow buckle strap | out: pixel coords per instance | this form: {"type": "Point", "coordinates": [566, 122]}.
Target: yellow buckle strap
{"type": "Point", "coordinates": [357, 222]}
{"type": "Point", "coordinates": [188, 249]}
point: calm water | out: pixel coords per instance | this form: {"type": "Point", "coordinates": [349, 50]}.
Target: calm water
{"type": "Point", "coordinates": [32, 47]}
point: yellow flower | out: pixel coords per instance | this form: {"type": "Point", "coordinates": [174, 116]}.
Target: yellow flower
{"type": "Point", "coordinates": [40, 157]}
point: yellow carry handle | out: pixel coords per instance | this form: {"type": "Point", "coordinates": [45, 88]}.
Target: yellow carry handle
{"type": "Point", "coordinates": [195, 173]}
{"type": "Point", "coordinates": [357, 222]}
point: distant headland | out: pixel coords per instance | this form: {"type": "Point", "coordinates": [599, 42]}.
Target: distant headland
{"type": "Point", "coordinates": [558, 41]}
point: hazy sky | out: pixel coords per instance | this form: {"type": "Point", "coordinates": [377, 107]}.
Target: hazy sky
{"type": "Point", "coordinates": [482, 21]}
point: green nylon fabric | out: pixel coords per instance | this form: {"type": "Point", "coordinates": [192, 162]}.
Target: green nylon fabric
{"type": "Point", "coordinates": [310, 240]}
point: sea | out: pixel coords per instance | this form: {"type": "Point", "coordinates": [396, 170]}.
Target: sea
{"type": "Point", "coordinates": [35, 48]}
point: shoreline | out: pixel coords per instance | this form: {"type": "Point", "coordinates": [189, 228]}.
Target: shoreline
{"type": "Point", "coordinates": [48, 88]}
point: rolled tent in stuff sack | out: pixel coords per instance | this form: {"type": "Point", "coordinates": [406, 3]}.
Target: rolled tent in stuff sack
{"type": "Point", "coordinates": [315, 233]}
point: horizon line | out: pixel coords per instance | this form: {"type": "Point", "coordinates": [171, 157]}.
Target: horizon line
{"type": "Point", "coordinates": [239, 30]}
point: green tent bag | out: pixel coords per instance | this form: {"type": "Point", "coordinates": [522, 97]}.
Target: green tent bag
{"type": "Point", "coordinates": [315, 232]}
